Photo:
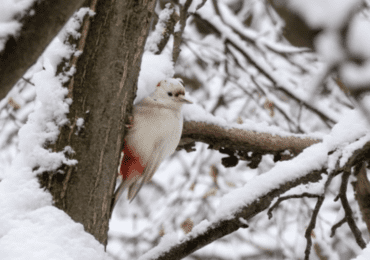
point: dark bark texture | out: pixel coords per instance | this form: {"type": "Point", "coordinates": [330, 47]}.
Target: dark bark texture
{"type": "Point", "coordinates": [38, 30]}
{"type": "Point", "coordinates": [102, 91]}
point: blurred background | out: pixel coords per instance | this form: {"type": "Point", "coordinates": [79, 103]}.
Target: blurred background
{"type": "Point", "coordinates": [240, 59]}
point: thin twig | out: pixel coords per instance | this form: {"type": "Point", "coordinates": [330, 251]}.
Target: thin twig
{"type": "Point", "coordinates": [178, 34]}
{"type": "Point", "coordinates": [312, 224]}
{"type": "Point", "coordinates": [311, 227]}
{"type": "Point", "coordinates": [295, 196]}
{"type": "Point", "coordinates": [336, 226]}
{"type": "Point", "coordinates": [28, 81]}
{"type": "Point", "coordinates": [348, 211]}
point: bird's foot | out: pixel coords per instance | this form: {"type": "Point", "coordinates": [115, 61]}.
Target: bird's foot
{"type": "Point", "coordinates": [131, 122]}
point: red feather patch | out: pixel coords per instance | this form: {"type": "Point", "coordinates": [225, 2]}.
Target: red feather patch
{"type": "Point", "coordinates": [131, 165]}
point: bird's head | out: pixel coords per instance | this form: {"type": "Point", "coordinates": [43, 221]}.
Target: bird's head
{"type": "Point", "coordinates": [171, 91]}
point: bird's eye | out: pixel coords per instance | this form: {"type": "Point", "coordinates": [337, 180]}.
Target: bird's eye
{"type": "Point", "coordinates": [169, 94]}
{"type": "Point", "coordinates": [177, 94]}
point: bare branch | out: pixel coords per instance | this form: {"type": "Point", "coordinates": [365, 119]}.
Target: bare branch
{"type": "Point", "coordinates": [178, 34]}
{"type": "Point", "coordinates": [336, 226]}
{"type": "Point", "coordinates": [311, 226]}
{"type": "Point", "coordinates": [296, 196]}
{"type": "Point", "coordinates": [348, 211]}
{"type": "Point", "coordinates": [362, 188]}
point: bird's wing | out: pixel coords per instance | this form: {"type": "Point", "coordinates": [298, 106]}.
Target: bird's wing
{"type": "Point", "coordinates": [158, 155]}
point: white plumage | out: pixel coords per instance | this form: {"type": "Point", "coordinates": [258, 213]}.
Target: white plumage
{"type": "Point", "coordinates": [155, 134]}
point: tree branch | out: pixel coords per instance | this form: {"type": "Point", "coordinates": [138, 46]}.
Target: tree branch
{"type": "Point", "coordinates": [178, 34]}
{"type": "Point", "coordinates": [241, 142]}
{"type": "Point", "coordinates": [222, 228]}
{"type": "Point", "coordinates": [168, 29]}
{"type": "Point", "coordinates": [295, 196]}
{"type": "Point", "coordinates": [348, 211]}
{"type": "Point", "coordinates": [362, 189]}
{"type": "Point", "coordinates": [38, 30]}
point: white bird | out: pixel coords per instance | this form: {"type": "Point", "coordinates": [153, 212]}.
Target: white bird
{"type": "Point", "coordinates": [153, 135]}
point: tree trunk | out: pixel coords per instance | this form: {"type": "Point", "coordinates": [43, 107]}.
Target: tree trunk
{"type": "Point", "coordinates": [102, 91]}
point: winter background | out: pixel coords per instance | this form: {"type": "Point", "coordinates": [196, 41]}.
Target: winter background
{"type": "Point", "coordinates": [235, 63]}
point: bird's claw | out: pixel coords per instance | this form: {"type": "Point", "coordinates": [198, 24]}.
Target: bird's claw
{"type": "Point", "coordinates": [131, 122]}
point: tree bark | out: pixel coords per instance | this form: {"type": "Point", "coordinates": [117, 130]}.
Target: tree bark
{"type": "Point", "coordinates": [102, 91]}
{"type": "Point", "coordinates": [38, 30]}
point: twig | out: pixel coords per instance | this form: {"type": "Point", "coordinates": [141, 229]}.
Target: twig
{"type": "Point", "coordinates": [348, 211]}
{"type": "Point", "coordinates": [312, 224]}
{"type": "Point", "coordinates": [296, 196]}
{"type": "Point", "coordinates": [311, 227]}
{"type": "Point", "coordinates": [336, 226]}
{"type": "Point", "coordinates": [178, 34]}
{"type": "Point", "coordinates": [28, 81]}
{"type": "Point", "coordinates": [362, 192]}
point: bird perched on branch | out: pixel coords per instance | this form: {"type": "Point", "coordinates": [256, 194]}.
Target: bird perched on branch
{"type": "Point", "coordinates": [153, 134]}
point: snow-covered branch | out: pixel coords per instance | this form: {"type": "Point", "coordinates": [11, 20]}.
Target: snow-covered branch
{"type": "Point", "coordinates": [241, 141]}
{"type": "Point", "coordinates": [243, 204]}
{"type": "Point", "coordinates": [40, 26]}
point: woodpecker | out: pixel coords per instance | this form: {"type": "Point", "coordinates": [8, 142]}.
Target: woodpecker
{"type": "Point", "coordinates": [153, 134]}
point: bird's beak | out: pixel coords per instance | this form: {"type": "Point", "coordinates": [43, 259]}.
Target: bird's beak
{"type": "Point", "coordinates": [184, 100]}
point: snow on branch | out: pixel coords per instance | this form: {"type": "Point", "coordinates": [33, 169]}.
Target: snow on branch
{"type": "Point", "coordinates": [163, 30]}
{"type": "Point", "coordinates": [40, 26]}
{"type": "Point", "coordinates": [241, 205]}
{"type": "Point", "coordinates": [239, 40]}
{"type": "Point", "coordinates": [238, 139]}
{"type": "Point", "coordinates": [247, 141]}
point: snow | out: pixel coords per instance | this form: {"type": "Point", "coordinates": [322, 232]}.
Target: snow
{"type": "Point", "coordinates": [316, 12]}
{"type": "Point", "coordinates": [80, 124]}
{"type": "Point", "coordinates": [243, 221]}
{"type": "Point", "coordinates": [280, 82]}
{"type": "Point", "coordinates": [154, 68]}
{"type": "Point", "coordinates": [252, 35]}
{"type": "Point", "coordinates": [171, 239]}
{"type": "Point", "coordinates": [167, 241]}
{"type": "Point", "coordinates": [329, 45]}
{"type": "Point", "coordinates": [30, 227]}
{"type": "Point", "coordinates": [177, 27]}
{"type": "Point", "coordinates": [348, 135]}
{"type": "Point", "coordinates": [75, 24]}
{"type": "Point", "coordinates": [312, 158]}
{"type": "Point", "coordinates": [365, 254]}
{"type": "Point", "coordinates": [359, 36]}
{"type": "Point", "coordinates": [10, 9]}
{"type": "Point", "coordinates": [157, 35]}
{"type": "Point", "coordinates": [195, 112]}
{"type": "Point", "coordinates": [351, 127]}
{"type": "Point", "coordinates": [44, 232]}
{"type": "Point", "coordinates": [357, 75]}
{"type": "Point", "coordinates": [193, 5]}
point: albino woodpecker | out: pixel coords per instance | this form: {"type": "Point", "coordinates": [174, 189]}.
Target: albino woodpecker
{"type": "Point", "coordinates": [153, 134]}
